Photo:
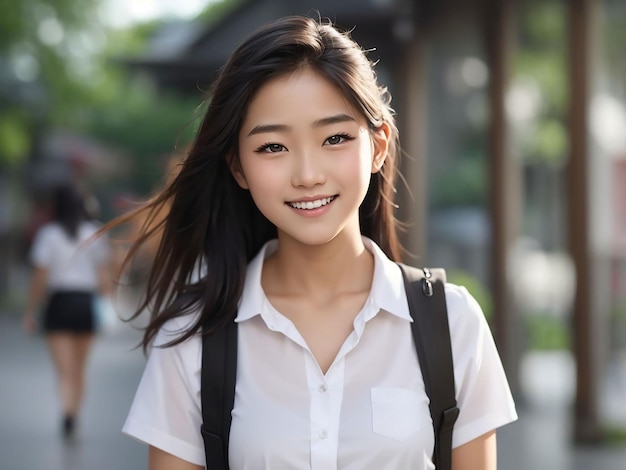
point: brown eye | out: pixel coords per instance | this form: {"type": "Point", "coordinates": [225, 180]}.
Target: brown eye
{"type": "Point", "coordinates": [271, 148]}
{"type": "Point", "coordinates": [274, 148]}
{"type": "Point", "coordinates": [337, 139]}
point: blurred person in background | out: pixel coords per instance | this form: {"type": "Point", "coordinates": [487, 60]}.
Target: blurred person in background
{"type": "Point", "coordinates": [69, 270]}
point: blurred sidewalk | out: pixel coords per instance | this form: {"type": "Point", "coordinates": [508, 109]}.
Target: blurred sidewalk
{"type": "Point", "coordinates": [29, 422]}
{"type": "Point", "coordinates": [29, 416]}
{"type": "Point", "coordinates": [541, 438]}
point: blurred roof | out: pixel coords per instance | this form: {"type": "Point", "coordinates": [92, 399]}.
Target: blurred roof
{"type": "Point", "coordinates": [188, 54]}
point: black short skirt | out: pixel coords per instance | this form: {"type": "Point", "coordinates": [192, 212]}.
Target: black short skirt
{"type": "Point", "coordinates": [69, 311]}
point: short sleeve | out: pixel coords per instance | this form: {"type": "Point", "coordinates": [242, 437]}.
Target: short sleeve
{"type": "Point", "coordinates": [166, 411]}
{"type": "Point", "coordinates": [41, 251]}
{"type": "Point", "coordinates": [483, 394]}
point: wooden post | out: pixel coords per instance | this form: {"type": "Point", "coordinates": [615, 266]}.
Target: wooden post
{"type": "Point", "coordinates": [505, 182]}
{"type": "Point", "coordinates": [411, 104]}
{"type": "Point", "coordinates": [586, 428]}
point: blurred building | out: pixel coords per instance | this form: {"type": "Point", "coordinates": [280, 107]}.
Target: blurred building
{"type": "Point", "coordinates": [512, 116]}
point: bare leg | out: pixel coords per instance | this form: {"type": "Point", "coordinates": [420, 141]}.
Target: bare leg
{"type": "Point", "coordinates": [82, 347]}
{"type": "Point", "coordinates": [69, 353]}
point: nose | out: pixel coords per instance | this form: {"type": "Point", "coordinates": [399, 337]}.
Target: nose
{"type": "Point", "coordinates": [308, 170]}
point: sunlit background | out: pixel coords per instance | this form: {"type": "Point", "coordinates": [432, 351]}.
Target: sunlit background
{"type": "Point", "coordinates": [513, 118]}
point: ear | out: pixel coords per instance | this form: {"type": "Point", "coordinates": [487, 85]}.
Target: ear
{"type": "Point", "coordinates": [237, 172]}
{"type": "Point", "coordinates": [380, 146]}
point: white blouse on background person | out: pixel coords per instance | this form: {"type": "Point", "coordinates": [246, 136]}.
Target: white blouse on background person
{"type": "Point", "coordinates": [73, 263]}
{"type": "Point", "coordinates": [370, 410]}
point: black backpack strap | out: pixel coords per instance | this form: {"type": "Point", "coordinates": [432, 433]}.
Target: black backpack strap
{"type": "Point", "coordinates": [431, 333]}
{"type": "Point", "coordinates": [217, 392]}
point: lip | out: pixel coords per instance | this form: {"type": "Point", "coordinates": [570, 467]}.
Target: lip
{"type": "Point", "coordinates": [312, 213]}
{"type": "Point", "coordinates": [312, 198]}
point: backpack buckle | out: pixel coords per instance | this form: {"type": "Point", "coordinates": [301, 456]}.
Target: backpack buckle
{"type": "Point", "coordinates": [427, 285]}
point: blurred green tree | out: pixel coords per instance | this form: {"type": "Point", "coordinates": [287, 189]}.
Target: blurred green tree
{"type": "Point", "coordinates": [539, 70]}
{"type": "Point", "coordinates": [56, 71]}
{"type": "Point", "coordinates": [537, 102]}
{"type": "Point", "coordinates": [40, 42]}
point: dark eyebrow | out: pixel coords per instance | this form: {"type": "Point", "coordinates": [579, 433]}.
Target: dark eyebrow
{"type": "Point", "coordinates": [262, 128]}
{"type": "Point", "coordinates": [333, 120]}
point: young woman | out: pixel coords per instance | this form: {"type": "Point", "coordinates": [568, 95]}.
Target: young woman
{"type": "Point", "coordinates": [286, 197]}
{"type": "Point", "coordinates": [68, 271]}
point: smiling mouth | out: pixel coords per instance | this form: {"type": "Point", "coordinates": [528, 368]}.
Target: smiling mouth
{"type": "Point", "coordinates": [310, 205]}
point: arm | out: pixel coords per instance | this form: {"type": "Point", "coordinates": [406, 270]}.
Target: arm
{"type": "Point", "coordinates": [160, 460]}
{"type": "Point", "coordinates": [35, 296]}
{"type": "Point", "coordinates": [478, 454]}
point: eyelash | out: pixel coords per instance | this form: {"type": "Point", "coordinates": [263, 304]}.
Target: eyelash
{"type": "Point", "coordinates": [344, 137]}
{"type": "Point", "coordinates": [265, 147]}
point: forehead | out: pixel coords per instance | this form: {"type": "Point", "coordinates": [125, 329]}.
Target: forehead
{"type": "Point", "coordinates": [299, 96]}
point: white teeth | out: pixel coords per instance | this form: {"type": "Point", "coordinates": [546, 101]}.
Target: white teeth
{"type": "Point", "coordinates": [311, 204]}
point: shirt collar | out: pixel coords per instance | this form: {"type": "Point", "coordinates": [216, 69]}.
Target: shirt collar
{"type": "Point", "coordinates": [387, 291]}
{"type": "Point", "coordinates": [253, 298]}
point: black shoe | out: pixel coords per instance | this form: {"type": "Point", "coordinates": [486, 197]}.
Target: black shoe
{"type": "Point", "coordinates": [69, 426]}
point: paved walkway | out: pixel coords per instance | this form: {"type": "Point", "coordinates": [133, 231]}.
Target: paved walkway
{"type": "Point", "coordinates": [29, 434]}
{"type": "Point", "coordinates": [29, 421]}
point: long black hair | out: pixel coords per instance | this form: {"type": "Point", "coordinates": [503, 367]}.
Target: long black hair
{"type": "Point", "coordinates": [211, 220]}
{"type": "Point", "coordinates": [68, 208]}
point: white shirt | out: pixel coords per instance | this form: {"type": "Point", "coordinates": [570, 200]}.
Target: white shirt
{"type": "Point", "coordinates": [72, 264]}
{"type": "Point", "coordinates": [370, 410]}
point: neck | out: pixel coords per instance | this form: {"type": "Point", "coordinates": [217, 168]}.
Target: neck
{"type": "Point", "coordinates": [341, 265]}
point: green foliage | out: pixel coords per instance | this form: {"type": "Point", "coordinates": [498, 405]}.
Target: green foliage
{"type": "Point", "coordinates": [14, 138]}
{"type": "Point", "coordinates": [130, 41]}
{"type": "Point", "coordinates": [217, 10]}
{"type": "Point", "coordinates": [40, 81]}
{"type": "Point", "coordinates": [82, 86]}
{"type": "Point", "coordinates": [20, 20]}
{"type": "Point", "coordinates": [613, 31]}
{"type": "Point", "coordinates": [541, 57]}
{"type": "Point", "coordinates": [548, 69]}
{"type": "Point", "coordinates": [615, 435]}
{"type": "Point", "coordinates": [145, 124]}
{"type": "Point", "coordinates": [464, 184]}
{"type": "Point", "coordinates": [544, 24]}
{"type": "Point", "coordinates": [547, 332]}
{"type": "Point", "coordinates": [550, 143]}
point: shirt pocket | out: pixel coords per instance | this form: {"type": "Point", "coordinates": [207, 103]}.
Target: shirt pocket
{"type": "Point", "coordinates": [397, 412]}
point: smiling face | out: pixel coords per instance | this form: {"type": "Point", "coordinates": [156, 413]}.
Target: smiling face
{"type": "Point", "coordinates": [307, 156]}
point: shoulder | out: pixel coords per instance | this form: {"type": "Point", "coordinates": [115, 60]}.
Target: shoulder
{"type": "Point", "coordinates": [467, 321]}
{"type": "Point", "coordinates": [49, 229]}
{"type": "Point", "coordinates": [483, 394]}
{"type": "Point", "coordinates": [462, 306]}
{"type": "Point", "coordinates": [166, 411]}
{"type": "Point", "coordinates": [459, 298]}
{"type": "Point", "coordinates": [48, 233]}
{"type": "Point", "coordinates": [175, 328]}
{"type": "Point", "coordinates": [184, 359]}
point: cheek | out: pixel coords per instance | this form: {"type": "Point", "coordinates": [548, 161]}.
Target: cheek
{"type": "Point", "coordinates": [261, 176]}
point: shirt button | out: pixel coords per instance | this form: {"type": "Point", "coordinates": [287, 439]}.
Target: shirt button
{"type": "Point", "coordinates": [322, 388]}
{"type": "Point", "coordinates": [323, 435]}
